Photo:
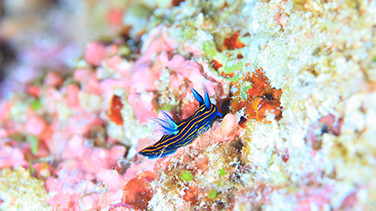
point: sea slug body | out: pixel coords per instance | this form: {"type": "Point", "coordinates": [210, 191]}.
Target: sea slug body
{"type": "Point", "coordinates": [184, 132]}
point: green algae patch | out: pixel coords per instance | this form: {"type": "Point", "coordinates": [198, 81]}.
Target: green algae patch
{"type": "Point", "coordinates": [36, 105]}
{"type": "Point", "coordinates": [186, 176]}
{"type": "Point", "coordinates": [212, 194]}
{"type": "Point", "coordinates": [33, 141]}
{"type": "Point", "coordinates": [222, 172]}
{"type": "Point", "coordinates": [31, 169]}
{"type": "Point", "coordinates": [211, 51]}
{"type": "Point", "coordinates": [167, 107]}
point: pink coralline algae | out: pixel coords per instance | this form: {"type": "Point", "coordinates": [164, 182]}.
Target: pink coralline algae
{"type": "Point", "coordinates": [11, 157]}
{"type": "Point", "coordinates": [315, 194]}
{"type": "Point", "coordinates": [79, 163]}
{"type": "Point", "coordinates": [87, 165]}
{"type": "Point", "coordinates": [35, 125]}
{"type": "Point", "coordinates": [148, 70]}
{"type": "Point", "coordinates": [94, 53]}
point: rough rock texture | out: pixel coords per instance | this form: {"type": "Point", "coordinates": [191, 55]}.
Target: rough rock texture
{"type": "Point", "coordinates": [294, 80]}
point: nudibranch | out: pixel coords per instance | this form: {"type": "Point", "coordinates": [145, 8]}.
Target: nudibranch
{"type": "Point", "coordinates": [184, 132]}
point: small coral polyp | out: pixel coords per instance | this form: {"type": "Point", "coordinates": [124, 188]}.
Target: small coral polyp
{"type": "Point", "coordinates": [255, 95]}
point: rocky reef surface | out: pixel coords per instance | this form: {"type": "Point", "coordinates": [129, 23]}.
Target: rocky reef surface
{"type": "Point", "coordinates": [295, 81]}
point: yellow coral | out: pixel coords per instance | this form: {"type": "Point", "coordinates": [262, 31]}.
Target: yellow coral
{"type": "Point", "coordinates": [20, 191]}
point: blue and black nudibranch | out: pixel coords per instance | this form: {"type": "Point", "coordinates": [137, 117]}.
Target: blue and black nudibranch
{"type": "Point", "coordinates": [184, 132]}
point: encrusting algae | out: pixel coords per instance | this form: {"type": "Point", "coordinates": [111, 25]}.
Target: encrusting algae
{"type": "Point", "coordinates": [255, 95]}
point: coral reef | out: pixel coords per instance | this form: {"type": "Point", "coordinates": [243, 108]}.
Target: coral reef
{"type": "Point", "coordinates": [295, 82]}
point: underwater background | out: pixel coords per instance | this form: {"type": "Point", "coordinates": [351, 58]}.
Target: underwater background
{"type": "Point", "coordinates": [87, 85]}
